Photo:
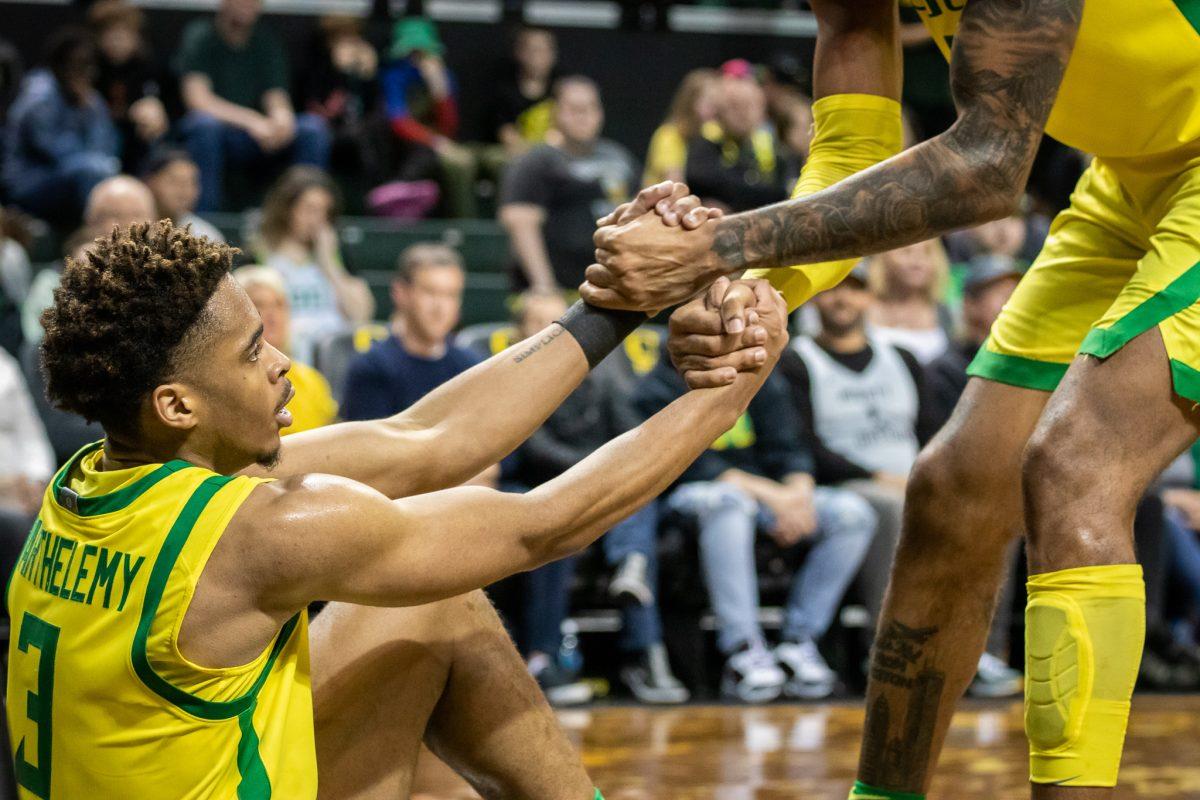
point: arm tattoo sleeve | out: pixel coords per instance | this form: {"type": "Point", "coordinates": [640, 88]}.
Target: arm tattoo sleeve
{"type": "Point", "coordinates": [1008, 60]}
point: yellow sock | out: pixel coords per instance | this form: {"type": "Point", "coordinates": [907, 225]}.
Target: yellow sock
{"type": "Point", "coordinates": [1084, 630]}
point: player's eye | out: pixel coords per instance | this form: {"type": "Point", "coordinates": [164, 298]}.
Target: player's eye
{"type": "Point", "coordinates": [256, 352]}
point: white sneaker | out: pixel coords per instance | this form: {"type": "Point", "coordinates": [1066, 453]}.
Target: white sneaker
{"type": "Point", "coordinates": [808, 676]}
{"type": "Point", "coordinates": [752, 675]}
{"type": "Point", "coordinates": [994, 679]}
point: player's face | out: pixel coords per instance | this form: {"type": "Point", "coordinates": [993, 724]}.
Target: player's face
{"type": "Point", "coordinates": [176, 188]}
{"type": "Point", "coordinates": [433, 302]}
{"type": "Point", "coordinates": [241, 384]}
{"type": "Point", "coordinates": [843, 308]}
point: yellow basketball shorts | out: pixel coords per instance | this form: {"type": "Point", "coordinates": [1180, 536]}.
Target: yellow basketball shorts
{"type": "Point", "coordinates": [1121, 259]}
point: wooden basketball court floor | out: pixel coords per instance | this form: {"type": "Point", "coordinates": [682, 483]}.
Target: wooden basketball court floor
{"type": "Point", "coordinates": [809, 752]}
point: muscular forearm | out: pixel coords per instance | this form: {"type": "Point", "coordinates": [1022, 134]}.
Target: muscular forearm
{"type": "Point", "coordinates": [935, 187]}
{"type": "Point", "coordinates": [629, 471]}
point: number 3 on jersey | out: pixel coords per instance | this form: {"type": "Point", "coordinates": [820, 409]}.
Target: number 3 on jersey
{"type": "Point", "coordinates": [38, 633]}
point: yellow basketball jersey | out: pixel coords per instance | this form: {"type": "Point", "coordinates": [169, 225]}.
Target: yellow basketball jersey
{"type": "Point", "coordinates": [101, 702]}
{"type": "Point", "coordinates": [1132, 83]}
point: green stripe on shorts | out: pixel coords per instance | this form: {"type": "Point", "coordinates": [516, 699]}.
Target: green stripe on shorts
{"type": "Point", "coordinates": [1017, 370]}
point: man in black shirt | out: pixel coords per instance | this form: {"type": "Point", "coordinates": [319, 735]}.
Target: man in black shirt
{"type": "Point", "coordinates": [553, 195]}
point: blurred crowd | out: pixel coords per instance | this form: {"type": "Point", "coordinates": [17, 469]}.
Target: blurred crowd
{"type": "Point", "coordinates": [779, 538]}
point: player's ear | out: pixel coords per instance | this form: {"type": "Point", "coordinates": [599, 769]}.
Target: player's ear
{"type": "Point", "coordinates": [174, 404]}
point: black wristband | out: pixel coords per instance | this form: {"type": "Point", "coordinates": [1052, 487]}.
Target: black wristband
{"type": "Point", "coordinates": [599, 330]}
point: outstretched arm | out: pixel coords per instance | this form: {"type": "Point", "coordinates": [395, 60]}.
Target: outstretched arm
{"type": "Point", "coordinates": [1008, 60]}
{"type": "Point", "coordinates": [325, 538]}
{"type": "Point", "coordinates": [463, 426]}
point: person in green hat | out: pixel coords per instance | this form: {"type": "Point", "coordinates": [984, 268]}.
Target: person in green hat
{"type": "Point", "coordinates": [422, 108]}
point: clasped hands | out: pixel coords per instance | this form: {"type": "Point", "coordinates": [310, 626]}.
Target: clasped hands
{"type": "Point", "coordinates": [656, 251]}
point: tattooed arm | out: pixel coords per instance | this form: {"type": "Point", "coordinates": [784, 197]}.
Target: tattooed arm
{"type": "Point", "coordinates": [1008, 60]}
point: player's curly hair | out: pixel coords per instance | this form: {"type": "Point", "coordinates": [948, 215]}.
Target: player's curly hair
{"type": "Point", "coordinates": [120, 315]}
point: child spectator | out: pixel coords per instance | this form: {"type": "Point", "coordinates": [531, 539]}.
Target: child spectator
{"type": "Point", "coordinates": [422, 107]}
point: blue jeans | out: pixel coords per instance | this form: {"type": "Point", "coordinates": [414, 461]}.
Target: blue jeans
{"type": "Point", "coordinates": [63, 190]}
{"type": "Point", "coordinates": [214, 144]}
{"type": "Point", "coordinates": [548, 588]}
{"type": "Point", "coordinates": [728, 520]}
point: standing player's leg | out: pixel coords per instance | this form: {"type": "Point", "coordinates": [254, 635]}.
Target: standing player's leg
{"type": "Point", "coordinates": [962, 508]}
{"type": "Point", "coordinates": [385, 679]}
{"type": "Point", "coordinates": [1125, 410]}
{"type": "Point", "coordinates": [964, 501]}
{"type": "Point", "coordinates": [1108, 432]}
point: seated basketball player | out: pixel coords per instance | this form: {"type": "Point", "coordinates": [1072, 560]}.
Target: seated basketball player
{"type": "Point", "coordinates": [161, 646]}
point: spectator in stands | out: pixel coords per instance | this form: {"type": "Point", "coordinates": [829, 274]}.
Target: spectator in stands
{"type": "Point", "coordinates": [298, 237]}
{"type": "Point", "coordinates": [553, 195]}
{"type": "Point", "coordinates": [128, 78]}
{"type": "Point", "coordinates": [1018, 237]}
{"type": "Point", "coordinates": [758, 477]}
{"type": "Point", "coordinates": [989, 281]}
{"type": "Point", "coordinates": [15, 276]}
{"type": "Point", "coordinates": [421, 101]}
{"type": "Point", "coordinates": [174, 180]}
{"type": "Point", "coordinates": [339, 84]}
{"type": "Point", "coordinates": [26, 461]}
{"type": "Point", "coordinates": [596, 412]}
{"type": "Point", "coordinates": [736, 163]}
{"type": "Point", "coordinates": [116, 201]}
{"type": "Point", "coordinates": [234, 82]}
{"type": "Point", "coordinates": [694, 104]}
{"type": "Point", "coordinates": [420, 354]}
{"type": "Point", "coordinates": [523, 109]}
{"type": "Point", "coordinates": [313, 406]}
{"type": "Point", "coordinates": [909, 284]}
{"type": "Point", "coordinates": [59, 139]}
{"type": "Point", "coordinates": [865, 405]}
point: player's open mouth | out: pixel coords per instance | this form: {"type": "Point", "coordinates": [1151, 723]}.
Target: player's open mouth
{"type": "Point", "coordinates": [282, 415]}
